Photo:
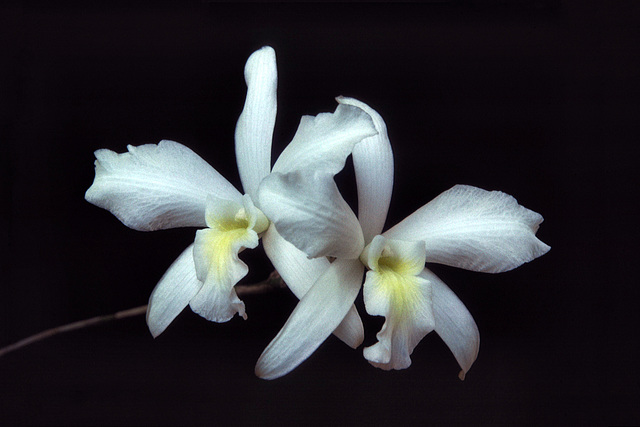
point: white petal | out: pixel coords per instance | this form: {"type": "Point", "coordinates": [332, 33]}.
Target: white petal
{"type": "Point", "coordinates": [373, 164]}
{"type": "Point", "coordinates": [317, 314]}
{"type": "Point", "coordinates": [254, 130]}
{"type": "Point", "coordinates": [308, 211]}
{"type": "Point", "coordinates": [217, 301]}
{"type": "Point", "coordinates": [173, 292]}
{"type": "Point", "coordinates": [405, 301]}
{"type": "Point", "coordinates": [156, 187]}
{"type": "Point", "coordinates": [454, 323]}
{"type": "Point", "coordinates": [475, 229]}
{"type": "Point", "coordinates": [300, 273]}
{"type": "Point", "coordinates": [324, 142]}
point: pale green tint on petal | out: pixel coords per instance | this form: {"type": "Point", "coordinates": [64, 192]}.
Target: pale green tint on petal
{"type": "Point", "coordinates": [475, 229]}
{"type": "Point", "coordinates": [454, 323]}
{"type": "Point", "coordinates": [219, 267]}
{"type": "Point", "coordinates": [403, 257]}
{"type": "Point", "coordinates": [323, 143]}
{"type": "Point", "coordinates": [173, 292]}
{"type": "Point", "coordinates": [317, 315]}
{"type": "Point", "coordinates": [254, 130]}
{"type": "Point", "coordinates": [155, 187]}
{"type": "Point", "coordinates": [309, 212]}
{"type": "Point", "coordinates": [300, 273]}
{"type": "Point", "coordinates": [373, 165]}
{"type": "Point", "coordinates": [230, 215]}
{"type": "Point", "coordinates": [393, 289]}
{"type": "Point", "coordinates": [405, 301]}
{"type": "Point", "coordinates": [233, 227]}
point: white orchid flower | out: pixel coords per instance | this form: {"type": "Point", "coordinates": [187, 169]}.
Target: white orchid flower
{"type": "Point", "coordinates": [162, 186]}
{"type": "Point", "coordinates": [465, 227]}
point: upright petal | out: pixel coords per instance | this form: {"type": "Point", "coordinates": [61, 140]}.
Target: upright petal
{"type": "Point", "coordinates": [300, 273]}
{"type": "Point", "coordinates": [317, 314]}
{"type": "Point", "coordinates": [173, 292]}
{"type": "Point", "coordinates": [373, 164]}
{"type": "Point", "coordinates": [308, 211]}
{"type": "Point", "coordinates": [454, 323]}
{"type": "Point", "coordinates": [475, 229]}
{"type": "Point", "coordinates": [254, 130]}
{"type": "Point", "coordinates": [324, 142]}
{"type": "Point", "coordinates": [155, 187]}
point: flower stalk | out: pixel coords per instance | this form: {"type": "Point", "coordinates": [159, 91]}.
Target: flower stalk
{"type": "Point", "coordinates": [271, 283]}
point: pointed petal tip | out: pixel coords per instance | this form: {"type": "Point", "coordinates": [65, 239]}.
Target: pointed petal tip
{"type": "Point", "coordinates": [461, 375]}
{"type": "Point", "coordinates": [264, 372]}
{"type": "Point", "coordinates": [154, 329]}
{"type": "Point", "coordinates": [260, 374]}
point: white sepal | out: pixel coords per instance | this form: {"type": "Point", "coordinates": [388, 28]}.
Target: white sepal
{"type": "Point", "coordinates": [254, 130]}
{"type": "Point", "coordinates": [475, 229]}
{"type": "Point", "coordinates": [454, 323]}
{"type": "Point", "coordinates": [317, 315]}
{"type": "Point", "coordinates": [173, 292]}
{"type": "Point", "coordinates": [323, 143]}
{"type": "Point", "coordinates": [300, 273]}
{"type": "Point", "coordinates": [373, 165]}
{"type": "Point", "coordinates": [155, 187]}
{"type": "Point", "coordinates": [309, 211]}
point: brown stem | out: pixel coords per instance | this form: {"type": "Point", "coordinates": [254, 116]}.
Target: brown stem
{"type": "Point", "coordinates": [274, 281]}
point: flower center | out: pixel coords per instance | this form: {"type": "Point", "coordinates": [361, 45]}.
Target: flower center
{"type": "Point", "coordinates": [232, 227]}
{"type": "Point", "coordinates": [395, 266]}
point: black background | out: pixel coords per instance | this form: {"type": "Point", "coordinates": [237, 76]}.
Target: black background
{"type": "Point", "coordinates": [535, 98]}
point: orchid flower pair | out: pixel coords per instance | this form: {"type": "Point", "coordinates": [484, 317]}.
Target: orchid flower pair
{"type": "Point", "coordinates": [154, 187]}
{"type": "Point", "coordinates": [304, 222]}
{"type": "Point", "coordinates": [464, 227]}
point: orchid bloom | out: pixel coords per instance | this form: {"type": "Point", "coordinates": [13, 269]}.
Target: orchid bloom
{"type": "Point", "coordinates": [465, 227]}
{"type": "Point", "coordinates": [162, 186]}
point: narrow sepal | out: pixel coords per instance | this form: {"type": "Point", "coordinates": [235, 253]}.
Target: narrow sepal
{"type": "Point", "coordinates": [373, 165]}
{"type": "Point", "coordinates": [254, 130]}
{"type": "Point", "coordinates": [317, 314]}
{"type": "Point", "coordinates": [300, 273]}
{"type": "Point", "coordinates": [173, 292]}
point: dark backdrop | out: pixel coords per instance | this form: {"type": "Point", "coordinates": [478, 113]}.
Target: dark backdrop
{"type": "Point", "coordinates": [535, 98]}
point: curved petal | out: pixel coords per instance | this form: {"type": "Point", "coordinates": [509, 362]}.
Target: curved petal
{"type": "Point", "coordinates": [173, 292]}
{"type": "Point", "coordinates": [373, 164]}
{"type": "Point", "coordinates": [254, 130]}
{"type": "Point", "coordinates": [324, 142]}
{"type": "Point", "coordinates": [475, 229]}
{"type": "Point", "coordinates": [217, 301]}
{"type": "Point", "coordinates": [215, 253]}
{"type": "Point", "coordinates": [392, 289]}
{"type": "Point", "coordinates": [454, 323]}
{"type": "Point", "coordinates": [308, 211]}
{"type": "Point", "coordinates": [155, 187]}
{"type": "Point", "coordinates": [317, 314]}
{"type": "Point", "coordinates": [300, 273]}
